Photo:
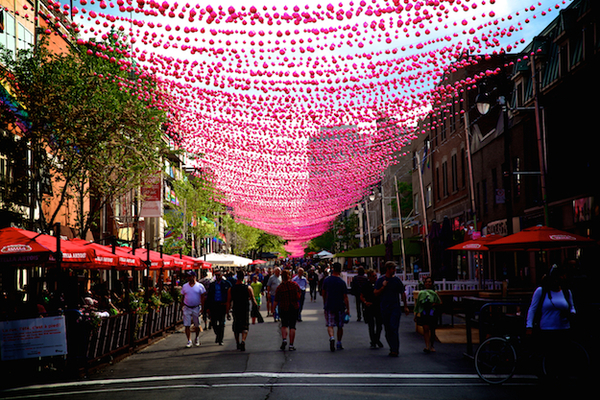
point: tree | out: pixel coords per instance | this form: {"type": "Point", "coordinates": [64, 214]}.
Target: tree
{"type": "Point", "coordinates": [87, 124]}
{"type": "Point", "coordinates": [197, 204]}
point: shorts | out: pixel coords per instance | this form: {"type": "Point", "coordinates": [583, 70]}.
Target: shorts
{"type": "Point", "coordinates": [288, 318]}
{"type": "Point", "coordinates": [190, 315]}
{"type": "Point", "coordinates": [334, 318]}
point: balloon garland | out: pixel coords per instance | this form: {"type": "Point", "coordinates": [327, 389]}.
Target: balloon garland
{"type": "Point", "coordinates": [296, 110]}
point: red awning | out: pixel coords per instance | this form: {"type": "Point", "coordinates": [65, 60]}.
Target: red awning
{"type": "Point", "coordinates": [196, 262]}
{"type": "Point", "coordinates": [22, 246]}
{"type": "Point", "coordinates": [123, 261]}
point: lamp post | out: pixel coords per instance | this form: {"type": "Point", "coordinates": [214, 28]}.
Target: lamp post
{"type": "Point", "coordinates": [484, 103]}
{"type": "Point", "coordinates": [423, 206]}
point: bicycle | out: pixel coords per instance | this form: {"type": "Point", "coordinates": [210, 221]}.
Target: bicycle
{"type": "Point", "coordinates": [497, 359]}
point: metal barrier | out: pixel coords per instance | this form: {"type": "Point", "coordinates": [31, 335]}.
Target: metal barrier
{"type": "Point", "coordinates": [119, 334]}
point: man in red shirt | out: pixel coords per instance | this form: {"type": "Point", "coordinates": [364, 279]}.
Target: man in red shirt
{"type": "Point", "coordinates": [287, 298]}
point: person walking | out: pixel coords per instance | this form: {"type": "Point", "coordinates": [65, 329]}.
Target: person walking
{"type": "Point", "coordinates": [241, 295]}
{"type": "Point", "coordinates": [356, 286]}
{"type": "Point", "coordinates": [287, 300]}
{"type": "Point", "coordinates": [425, 313]}
{"type": "Point", "coordinates": [549, 317]}
{"type": "Point", "coordinates": [194, 294]}
{"type": "Point", "coordinates": [390, 290]}
{"type": "Point", "coordinates": [372, 310]}
{"type": "Point", "coordinates": [257, 288]}
{"type": "Point", "coordinates": [335, 306]}
{"type": "Point", "coordinates": [302, 283]}
{"type": "Point", "coordinates": [313, 282]}
{"type": "Point", "coordinates": [272, 284]}
{"type": "Point", "coordinates": [216, 304]}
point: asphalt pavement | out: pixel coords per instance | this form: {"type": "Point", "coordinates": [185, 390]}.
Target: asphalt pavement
{"type": "Point", "coordinates": [168, 369]}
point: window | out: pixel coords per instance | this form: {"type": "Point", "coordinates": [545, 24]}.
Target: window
{"type": "Point", "coordinates": [437, 183]}
{"type": "Point", "coordinates": [495, 184]}
{"type": "Point", "coordinates": [445, 178]}
{"type": "Point", "coordinates": [463, 171]}
{"type": "Point", "coordinates": [25, 38]}
{"type": "Point", "coordinates": [454, 162]}
{"type": "Point", "coordinates": [428, 196]}
{"type": "Point", "coordinates": [13, 35]}
{"type": "Point", "coordinates": [484, 196]}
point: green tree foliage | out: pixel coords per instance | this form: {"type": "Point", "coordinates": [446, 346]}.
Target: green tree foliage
{"type": "Point", "coordinates": [194, 216]}
{"type": "Point", "coordinates": [89, 125]}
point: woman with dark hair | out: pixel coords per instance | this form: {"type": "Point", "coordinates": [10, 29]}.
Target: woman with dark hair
{"type": "Point", "coordinates": [552, 306]}
{"type": "Point", "coordinates": [549, 313]}
{"type": "Point", "coordinates": [425, 315]}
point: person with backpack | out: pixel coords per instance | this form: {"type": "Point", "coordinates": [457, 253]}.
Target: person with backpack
{"type": "Point", "coordinates": [551, 307]}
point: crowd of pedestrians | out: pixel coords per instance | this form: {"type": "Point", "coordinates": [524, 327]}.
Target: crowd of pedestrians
{"type": "Point", "coordinates": [380, 300]}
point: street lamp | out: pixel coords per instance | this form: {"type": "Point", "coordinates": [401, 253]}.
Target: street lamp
{"type": "Point", "coordinates": [483, 102]}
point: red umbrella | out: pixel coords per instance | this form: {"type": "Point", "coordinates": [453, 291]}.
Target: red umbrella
{"type": "Point", "coordinates": [540, 238]}
{"type": "Point", "coordinates": [255, 262]}
{"type": "Point", "coordinates": [124, 261]}
{"type": "Point", "coordinates": [156, 261]}
{"type": "Point", "coordinates": [196, 263]}
{"type": "Point", "coordinates": [480, 244]}
{"type": "Point", "coordinates": [22, 246]}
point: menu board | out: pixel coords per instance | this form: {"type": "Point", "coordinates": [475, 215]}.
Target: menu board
{"type": "Point", "coordinates": [36, 337]}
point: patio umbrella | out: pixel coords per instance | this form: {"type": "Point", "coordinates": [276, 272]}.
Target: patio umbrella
{"type": "Point", "coordinates": [22, 246]}
{"type": "Point", "coordinates": [125, 261]}
{"type": "Point", "coordinates": [256, 262]}
{"type": "Point", "coordinates": [195, 263]}
{"type": "Point", "coordinates": [540, 238]}
{"type": "Point", "coordinates": [156, 261]}
{"type": "Point", "coordinates": [324, 254]}
{"type": "Point", "coordinates": [480, 244]}
{"type": "Point", "coordinates": [104, 258]}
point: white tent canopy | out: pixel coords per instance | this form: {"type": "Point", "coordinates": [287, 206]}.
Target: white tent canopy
{"type": "Point", "coordinates": [324, 254]}
{"type": "Point", "coordinates": [226, 260]}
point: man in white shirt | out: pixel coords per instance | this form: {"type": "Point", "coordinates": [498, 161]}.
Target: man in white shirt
{"type": "Point", "coordinates": [302, 282]}
{"type": "Point", "coordinates": [272, 284]}
{"type": "Point", "coordinates": [194, 294]}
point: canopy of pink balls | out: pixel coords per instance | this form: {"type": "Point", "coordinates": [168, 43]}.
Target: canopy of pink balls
{"type": "Point", "coordinates": [296, 110]}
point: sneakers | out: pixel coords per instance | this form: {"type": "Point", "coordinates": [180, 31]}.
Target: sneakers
{"type": "Point", "coordinates": [197, 342]}
{"type": "Point", "coordinates": [332, 344]}
{"type": "Point", "coordinates": [283, 345]}
{"type": "Point", "coordinates": [292, 348]}
{"type": "Point", "coordinates": [339, 346]}
{"type": "Point", "coordinates": [189, 344]}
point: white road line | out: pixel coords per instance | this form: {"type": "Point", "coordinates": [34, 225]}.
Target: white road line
{"type": "Point", "coordinates": [252, 385]}
{"type": "Point", "coordinates": [331, 379]}
{"type": "Point", "coordinates": [268, 375]}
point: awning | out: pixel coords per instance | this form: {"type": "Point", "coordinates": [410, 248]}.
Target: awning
{"type": "Point", "coordinates": [226, 260]}
{"type": "Point", "coordinates": [412, 247]}
{"type": "Point", "coordinates": [22, 246]}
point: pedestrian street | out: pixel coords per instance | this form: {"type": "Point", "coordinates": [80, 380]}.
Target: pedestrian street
{"type": "Point", "coordinates": [167, 369]}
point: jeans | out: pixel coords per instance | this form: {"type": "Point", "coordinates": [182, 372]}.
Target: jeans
{"type": "Point", "coordinates": [391, 323]}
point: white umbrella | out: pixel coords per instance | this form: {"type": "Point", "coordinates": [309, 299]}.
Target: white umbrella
{"type": "Point", "coordinates": [228, 260]}
{"type": "Point", "coordinates": [324, 254]}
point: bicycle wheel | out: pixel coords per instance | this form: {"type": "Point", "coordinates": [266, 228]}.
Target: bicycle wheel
{"type": "Point", "coordinates": [566, 362]}
{"type": "Point", "coordinates": [495, 360]}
